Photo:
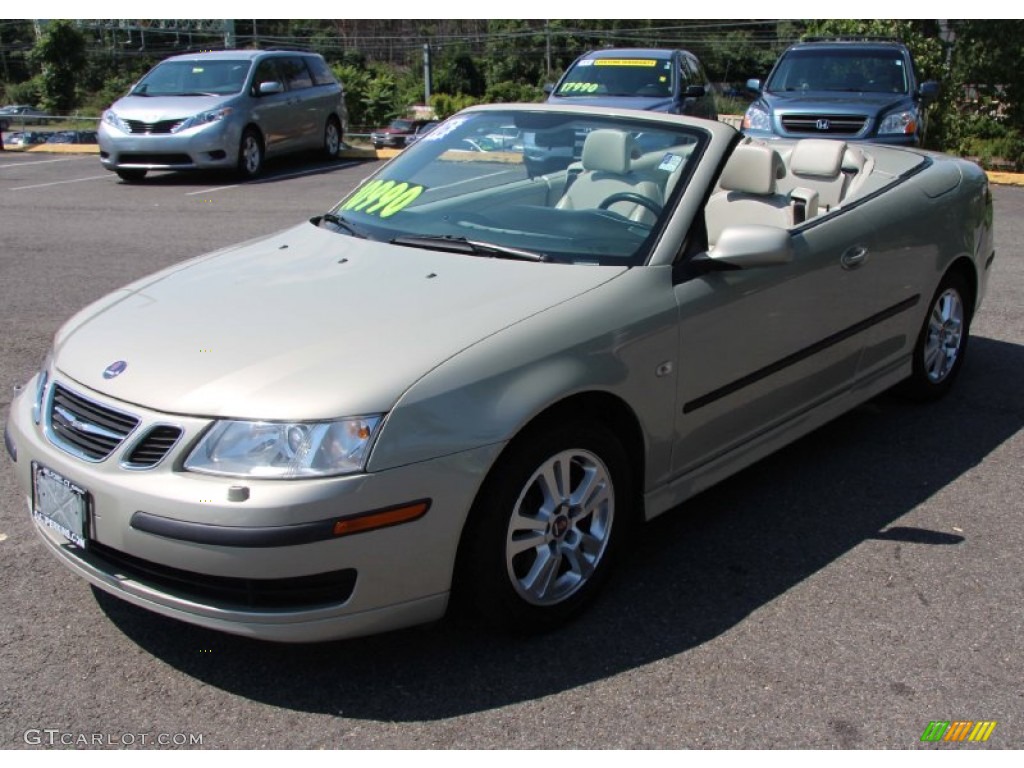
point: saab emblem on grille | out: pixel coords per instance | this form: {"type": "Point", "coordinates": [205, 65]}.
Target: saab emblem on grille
{"type": "Point", "coordinates": [115, 369]}
{"type": "Point", "coordinates": [823, 125]}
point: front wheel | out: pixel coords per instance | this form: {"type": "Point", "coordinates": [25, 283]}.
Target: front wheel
{"type": "Point", "coordinates": [250, 155]}
{"type": "Point", "coordinates": [545, 527]}
{"type": "Point", "coordinates": [942, 343]}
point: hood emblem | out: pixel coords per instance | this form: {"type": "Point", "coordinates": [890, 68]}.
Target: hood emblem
{"type": "Point", "coordinates": [823, 125]}
{"type": "Point", "coordinates": [114, 369]}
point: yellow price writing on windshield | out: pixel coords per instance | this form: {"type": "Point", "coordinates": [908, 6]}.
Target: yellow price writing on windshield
{"type": "Point", "coordinates": [579, 88]}
{"type": "Point", "coordinates": [625, 62]}
{"type": "Point", "coordinates": [383, 198]}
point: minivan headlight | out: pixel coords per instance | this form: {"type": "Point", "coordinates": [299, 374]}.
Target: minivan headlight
{"type": "Point", "coordinates": [210, 116]}
{"type": "Point", "coordinates": [110, 117]}
{"type": "Point", "coordinates": [904, 122]}
{"type": "Point", "coordinates": [756, 119]}
{"type": "Point", "coordinates": [287, 450]}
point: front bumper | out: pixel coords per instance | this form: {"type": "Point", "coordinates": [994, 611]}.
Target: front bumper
{"type": "Point", "coordinates": [383, 579]}
{"type": "Point", "coordinates": [210, 146]}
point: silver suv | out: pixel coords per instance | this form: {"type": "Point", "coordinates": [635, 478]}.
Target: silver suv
{"type": "Point", "coordinates": [223, 109]}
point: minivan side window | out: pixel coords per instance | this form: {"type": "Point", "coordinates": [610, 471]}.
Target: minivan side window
{"type": "Point", "coordinates": [266, 72]}
{"type": "Point", "coordinates": [296, 74]}
{"type": "Point", "coordinates": [322, 74]}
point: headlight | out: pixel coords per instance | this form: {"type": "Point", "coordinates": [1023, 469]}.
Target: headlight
{"type": "Point", "coordinates": [899, 122]}
{"type": "Point", "coordinates": [110, 117]}
{"type": "Point", "coordinates": [202, 118]}
{"type": "Point", "coordinates": [285, 449]}
{"type": "Point", "coordinates": [756, 119]}
{"type": "Point", "coordinates": [41, 381]}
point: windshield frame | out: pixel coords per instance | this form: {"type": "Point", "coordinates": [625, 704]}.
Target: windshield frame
{"type": "Point", "coordinates": [832, 69]}
{"type": "Point", "coordinates": [179, 67]}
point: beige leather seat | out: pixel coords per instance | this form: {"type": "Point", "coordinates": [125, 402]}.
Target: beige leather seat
{"type": "Point", "coordinates": [818, 164]}
{"type": "Point", "coordinates": [606, 159]}
{"type": "Point", "coordinates": [748, 192]}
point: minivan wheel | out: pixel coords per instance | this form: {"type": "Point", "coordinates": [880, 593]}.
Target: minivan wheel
{"type": "Point", "coordinates": [250, 154]}
{"type": "Point", "coordinates": [332, 137]}
{"type": "Point", "coordinates": [131, 174]}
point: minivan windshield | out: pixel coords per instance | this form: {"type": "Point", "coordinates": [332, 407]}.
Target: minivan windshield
{"type": "Point", "coordinates": [564, 187]}
{"type": "Point", "coordinates": [860, 70]}
{"type": "Point", "coordinates": [194, 78]}
{"type": "Point", "coordinates": [640, 76]}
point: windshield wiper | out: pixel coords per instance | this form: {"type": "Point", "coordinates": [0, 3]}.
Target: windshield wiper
{"type": "Point", "coordinates": [341, 223]}
{"type": "Point", "coordinates": [463, 245]}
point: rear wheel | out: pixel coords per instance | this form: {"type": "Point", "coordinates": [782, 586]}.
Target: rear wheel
{"type": "Point", "coordinates": [546, 526]}
{"type": "Point", "coordinates": [131, 174]}
{"type": "Point", "coordinates": [942, 343]}
{"type": "Point", "coordinates": [332, 137]}
{"type": "Point", "coordinates": [250, 155]}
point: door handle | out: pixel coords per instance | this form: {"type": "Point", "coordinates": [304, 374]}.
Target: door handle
{"type": "Point", "coordinates": [854, 257]}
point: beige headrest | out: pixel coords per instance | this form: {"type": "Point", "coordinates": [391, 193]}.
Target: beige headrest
{"type": "Point", "coordinates": [607, 150]}
{"type": "Point", "coordinates": [817, 157]}
{"type": "Point", "coordinates": [753, 168]}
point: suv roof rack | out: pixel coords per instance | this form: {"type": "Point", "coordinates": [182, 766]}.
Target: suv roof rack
{"type": "Point", "coordinates": [850, 39]}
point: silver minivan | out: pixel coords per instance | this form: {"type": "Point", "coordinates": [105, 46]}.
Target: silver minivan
{"type": "Point", "coordinates": [223, 109]}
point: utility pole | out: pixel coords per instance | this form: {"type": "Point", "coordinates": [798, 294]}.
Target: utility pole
{"type": "Point", "coordinates": [426, 74]}
{"type": "Point", "coordinates": [229, 33]}
{"type": "Point", "coordinates": [547, 48]}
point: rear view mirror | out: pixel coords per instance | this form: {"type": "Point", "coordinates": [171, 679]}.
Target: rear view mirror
{"type": "Point", "coordinates": [271, 86]}
{"type": "Point", "coordinates": [747, 247]}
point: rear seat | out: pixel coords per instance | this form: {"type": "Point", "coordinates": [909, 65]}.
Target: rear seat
{"type": "Point", "coordinates": [834, 169]}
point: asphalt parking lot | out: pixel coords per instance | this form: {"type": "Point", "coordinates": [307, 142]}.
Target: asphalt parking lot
{"type": "Point", "coordinates": [843, 593]}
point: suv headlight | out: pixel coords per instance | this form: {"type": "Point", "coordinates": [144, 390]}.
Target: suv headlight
{"type": "Point", "coordinates": [210, 116]}
{"type": "Point", "coordinates": [288, 450]}
{"type": "Point", "coordinates": [904, 122]}
{"type": "Point", "coordinates": [756, 119]}
{"type": "Point", "coordinates": [110, 117]}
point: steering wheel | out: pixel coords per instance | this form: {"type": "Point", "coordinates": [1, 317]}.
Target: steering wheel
{"type": "Point", "coordinates": [630, 197]}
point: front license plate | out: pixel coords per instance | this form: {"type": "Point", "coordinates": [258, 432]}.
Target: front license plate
{"type": "Point", "coordinates": [59, 504]}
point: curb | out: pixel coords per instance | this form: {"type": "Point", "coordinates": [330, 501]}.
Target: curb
{"type": "Point", "coordinates": [353, 153]}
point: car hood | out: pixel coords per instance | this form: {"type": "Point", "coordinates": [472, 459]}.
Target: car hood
{"type": "Point", "coordinates": [656, 104]}
{"type": "Point", "coordinates": [841, 103]}
{"type": "Point", "coordinates": [306, 324]}
{"type": "Point", "coordinates": [152, 109]}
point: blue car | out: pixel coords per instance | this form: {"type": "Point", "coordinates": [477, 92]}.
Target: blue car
{"type": "Point", "coordinates": [849, 89]}
{"type": "Point", "coordinates": [653, 79]}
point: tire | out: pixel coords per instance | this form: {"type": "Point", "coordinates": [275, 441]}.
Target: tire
{"type": "Point", "coordinates": [332, 137]}
{"type": "Point", "coordinates": [250, 154]}
{"type": "Point", "coordinates": [131, 174]}
{"type": "Point", "coordinates": [545, 527]}
{"type": "Point", "coordinates": [942, 343]}
{"type": "Point", "coordinates": [377, 146]}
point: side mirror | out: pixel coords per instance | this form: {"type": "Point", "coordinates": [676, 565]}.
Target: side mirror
{"type": "Point", "coordinates": [694, 91]}
{"type": "Point", "coordinates": [929, 91]}
{"type": "Point", "coordinates": [754, 85]}
{"type": "Point", "coordinates": [748, 246]}
{"type": "Point", "coordinates": [549, 88]}
{"type": "Point", "coordinates": [269, 87]}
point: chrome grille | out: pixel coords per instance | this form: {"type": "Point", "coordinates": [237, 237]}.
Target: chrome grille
{"type": "Point", "coordinates": [151, 449]}
{"type": "Point", "coordinates": [829, 125]}
{"type": "Point", "coordinates": [85, 428]}
{"type": "Point", "coordinates": [162, 126]}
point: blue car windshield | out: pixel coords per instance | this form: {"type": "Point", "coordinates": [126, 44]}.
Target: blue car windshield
{"type": "Point", "coordinates": [563, 187]}
{"type": "Point", "coordinates": [854, 70]}
{"type": "Point", "coordinates": [192, 78]}
{"type": "Point", "coordinates": [618, 77]}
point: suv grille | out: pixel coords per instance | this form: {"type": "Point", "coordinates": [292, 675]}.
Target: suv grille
{"type": "Point", "coordinates": [163, 126]}
{"type": "Point", "coordinates": [832, 125]}
{"type": "Point", "coordinates": [85, 428]}
{"type": "Point", "coordinates": [153, 447]}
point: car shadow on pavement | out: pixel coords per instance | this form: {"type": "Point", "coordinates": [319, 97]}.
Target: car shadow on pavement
{"type": "Point", "coordinates": [690, 575]}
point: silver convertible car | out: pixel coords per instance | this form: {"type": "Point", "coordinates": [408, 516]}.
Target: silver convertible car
{"type": "Point", "coordinates": [471, 379]}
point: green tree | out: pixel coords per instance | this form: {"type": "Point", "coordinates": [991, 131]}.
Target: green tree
{"type": "Point", "coordinates": [60, 54]}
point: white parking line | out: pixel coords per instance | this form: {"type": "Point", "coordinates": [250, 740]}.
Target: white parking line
{"type": "Point", "coordinates": [66, 181]}
{"type": "Point", "coordinates": [297, 174]}
{"type": "Point", "coordinates": [39, 162]}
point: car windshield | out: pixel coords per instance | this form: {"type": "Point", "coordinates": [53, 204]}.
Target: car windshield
{"type": "Point", "coordinates": [860, 70]}
{"type": "Point", "coordinates": [618, 77]}
{"type": "Point", "coordinates": [191, 78]}
{"type": "Point", "coordinates": [557, 187]}
{"type": "Point", "coordinates": [401, 125]}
